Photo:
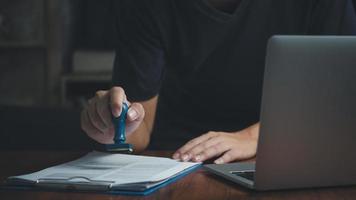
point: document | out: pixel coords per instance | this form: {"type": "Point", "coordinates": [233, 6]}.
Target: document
{"type": "Point", "coordinates": [105, 171]}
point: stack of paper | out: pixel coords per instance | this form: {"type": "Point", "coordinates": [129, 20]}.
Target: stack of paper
{"type": "Point", "coordinates": [107, 172]}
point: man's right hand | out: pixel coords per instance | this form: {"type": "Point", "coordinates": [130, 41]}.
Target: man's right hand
{"type": "Point", "coordinates": [96, 118]}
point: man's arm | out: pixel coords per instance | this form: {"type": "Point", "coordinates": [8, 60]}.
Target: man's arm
{"type": "Point", "coordinates": [140, 138]}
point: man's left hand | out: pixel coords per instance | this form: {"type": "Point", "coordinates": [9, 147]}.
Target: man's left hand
{"type": "Point", "coordinates": [227, 147]}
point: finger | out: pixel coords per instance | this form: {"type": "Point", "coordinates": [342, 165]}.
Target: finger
{"type": "Point", "coordinates": [213, 151]}
{"type": "Point", "coordinates": [228, 156]}
{"type": "Point", "coordinates": [103, 109]}
{"type": "Point", "coordinates": [182, 152]}
{"type": "Point", "coordinates": [117, 97]}
{"type": "Point", "coordinates": [136, 112]}
{"type": "Point", "coordinates": [94, 117]}
{"type": "Point", "coordinates": [198, 151]}
{"type": "Point", "coordinates": [88, 128]}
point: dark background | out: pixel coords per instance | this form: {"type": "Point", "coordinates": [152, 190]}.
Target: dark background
{"type": "Point", "coordinates": [37, 42]}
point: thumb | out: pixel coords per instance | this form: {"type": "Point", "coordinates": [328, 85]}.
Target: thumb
{"type": "Point", "coordinates": [136, 112]}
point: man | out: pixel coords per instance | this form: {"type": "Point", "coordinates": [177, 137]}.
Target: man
{"type": "Point", "coordinates": [194, 69]}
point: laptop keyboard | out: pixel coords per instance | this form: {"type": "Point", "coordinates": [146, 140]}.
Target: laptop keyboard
{"type": "Point", "coordinates": [249, 175]}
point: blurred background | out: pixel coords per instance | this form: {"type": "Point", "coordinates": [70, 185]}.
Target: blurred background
{"type": "Point", "coordinates": [54, 54]}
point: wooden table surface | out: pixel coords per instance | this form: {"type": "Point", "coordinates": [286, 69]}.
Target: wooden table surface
{"type": "Point", "coordinates": [197, 185]}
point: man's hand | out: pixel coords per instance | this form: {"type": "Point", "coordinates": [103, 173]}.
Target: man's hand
{"type": "Point", "coordinates": [96, 118]}
{"type": "Point", "coordinates": [228, 146]}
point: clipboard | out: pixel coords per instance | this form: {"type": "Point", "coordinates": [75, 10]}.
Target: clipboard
{"type": "Point", "coordinates": [47, 179]}
{"type": "Point", "coordinates": [45, 185]}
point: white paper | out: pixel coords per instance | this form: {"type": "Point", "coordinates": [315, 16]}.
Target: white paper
{"type": "Point", "coordinates": [113, 169]}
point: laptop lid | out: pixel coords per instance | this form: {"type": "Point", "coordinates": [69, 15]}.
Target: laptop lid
{"type": "Point", "coordinates": [308, 114]}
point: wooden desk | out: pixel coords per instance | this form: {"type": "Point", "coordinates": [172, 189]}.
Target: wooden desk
{"type": "Point", "coordinates": [198, 185]}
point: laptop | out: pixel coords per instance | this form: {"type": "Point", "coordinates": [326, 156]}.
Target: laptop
{"type": "Point", "coordinates": [308, 117]}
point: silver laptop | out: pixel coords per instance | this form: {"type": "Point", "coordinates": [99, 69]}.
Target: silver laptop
{"type": "Point", "coordinates": [308, 116]}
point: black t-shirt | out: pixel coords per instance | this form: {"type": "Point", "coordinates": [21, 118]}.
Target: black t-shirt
{"type": "Point", "coordinates": [206, 65]}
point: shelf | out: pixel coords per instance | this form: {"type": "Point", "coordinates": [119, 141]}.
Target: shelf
{"type": "Point", "coordinates": [76, 88]}
{"type": "Point", "coordinates": [85, 77]}
{"type": "Point", "coordinates": [36, 44]}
